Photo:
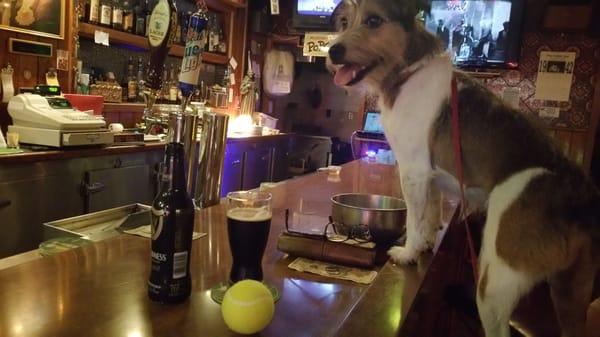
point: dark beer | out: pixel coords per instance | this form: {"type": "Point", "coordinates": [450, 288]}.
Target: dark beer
{"type": "Point", "coordinates": [248, 230]}
{"type": "Point", "coordinates": [172, 228]}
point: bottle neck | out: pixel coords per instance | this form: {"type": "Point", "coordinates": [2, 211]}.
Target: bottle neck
{"type": "Point", "coordinates": [173, 171]}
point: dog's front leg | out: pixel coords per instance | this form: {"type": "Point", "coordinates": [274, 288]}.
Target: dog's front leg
{"type": "Point", "coordinates": [423, 215]}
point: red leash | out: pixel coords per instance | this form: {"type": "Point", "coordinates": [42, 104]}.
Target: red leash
{"type": "Point", "coordinates": [459, 173]}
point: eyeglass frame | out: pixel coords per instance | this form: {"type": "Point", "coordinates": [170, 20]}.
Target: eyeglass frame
{"type": "Point", "coordinates": [325, 236]}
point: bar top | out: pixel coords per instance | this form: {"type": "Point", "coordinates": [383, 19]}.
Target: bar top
{"type": "Point", "coordinates": [100, 289]}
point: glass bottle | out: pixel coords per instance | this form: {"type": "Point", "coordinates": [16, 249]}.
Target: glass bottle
{"type": "Point", "coordinates": [128, 17]}
{"type": "Point", "coordinates": [172, 86]}
{"type": "Point", "coordinates": [105, 13]}
{"type": "Point", "coordinates": [117, 15]}
{"type": "Point", "coordinates": [172, 220]}
{"type": "Point", "coordinates": [93, 14]}
{"type": "Point", "coordinates": [132, 82]}
{"type": "Point", "coordinates": [140, 79]}
{"type": "Point", "coordinates": [140, 20]}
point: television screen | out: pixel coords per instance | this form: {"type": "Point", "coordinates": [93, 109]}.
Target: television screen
{"type": "Point", "coordinates": [317, 7]}
{"type": "Point", "coordinates": [314, 14]}
{"type": "Point", "coordinates": [478, 33]}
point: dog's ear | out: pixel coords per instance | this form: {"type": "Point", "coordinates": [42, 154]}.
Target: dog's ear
{"type": "Point", "coordinates": [423, 6]}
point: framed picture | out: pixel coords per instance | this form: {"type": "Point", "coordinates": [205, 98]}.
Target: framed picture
{"type": "Point", "coordinates": [36, 17]}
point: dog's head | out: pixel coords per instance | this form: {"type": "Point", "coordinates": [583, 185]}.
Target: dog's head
{"type": "Point", "coordinates": [378, 38]}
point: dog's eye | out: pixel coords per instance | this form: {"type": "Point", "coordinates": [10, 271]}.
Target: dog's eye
{"type": "Point", "coordinates": [373, 21]}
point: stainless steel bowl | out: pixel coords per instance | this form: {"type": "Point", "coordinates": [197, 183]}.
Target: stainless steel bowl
{"type": "Point", "coordinates": [385, 216]}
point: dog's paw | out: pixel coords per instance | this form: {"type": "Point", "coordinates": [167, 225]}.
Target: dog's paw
{"type": "Point", "coordinates": [403, 255]}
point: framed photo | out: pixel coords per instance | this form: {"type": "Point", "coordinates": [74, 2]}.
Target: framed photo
{"type": "Point", "coordinates": [36, 17]}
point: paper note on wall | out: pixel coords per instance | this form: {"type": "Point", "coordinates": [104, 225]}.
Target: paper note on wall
{"type": "Point", "coordinates": [555, 76]}
{"type": "Point", "coordinates": [317, 44]}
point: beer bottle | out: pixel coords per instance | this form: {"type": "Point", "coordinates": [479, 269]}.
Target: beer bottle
{"type": "Point", "coordinates": [172, 219]}
{"type": "Point", "coordinates": [192, 56]}
{"type": "Point", "coordinates": [161, 35]}
{"type": "Point", "coordinates": [132, 82]}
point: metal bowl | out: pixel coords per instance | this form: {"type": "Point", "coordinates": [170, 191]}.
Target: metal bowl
{"type": "Point", "coordinates": [385, 216]}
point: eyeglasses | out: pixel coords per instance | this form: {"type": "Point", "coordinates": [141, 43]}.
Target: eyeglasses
{"type": "Point", "coordinates": [331, 232]}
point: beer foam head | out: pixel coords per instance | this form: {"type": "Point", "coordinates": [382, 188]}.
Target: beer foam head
{"type": "Point", "coordinates": [250, 214]}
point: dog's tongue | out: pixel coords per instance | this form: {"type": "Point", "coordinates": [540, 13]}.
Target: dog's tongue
{"type": "Point", "coordinates": [345, 74]}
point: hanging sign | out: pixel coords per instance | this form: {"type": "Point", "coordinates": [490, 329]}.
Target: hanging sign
{"type": "Point", "coordinates": [317, 44]}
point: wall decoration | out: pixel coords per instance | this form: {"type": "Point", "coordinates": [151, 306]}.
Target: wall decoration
{"type": "Point", "coordinates": [36, 17]}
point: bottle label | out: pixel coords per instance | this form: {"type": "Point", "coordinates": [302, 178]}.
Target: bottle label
{"type": "Point", "coordinates": [180, 262]}
{"type": "Point", "coordinates": [105, 14]}
{"type": "Point", "coordinates": [132, 90]}
{"type": "Point", "coordinates": [94, 10]}
{"type": "Point", "coordinates": [128, 22]}
{"type": "Point", "coordinates": [190, 65]}
{"type": "Point", "coordinates": [159, 23]}
{"type": "Point", "coordinates": [117, 16]}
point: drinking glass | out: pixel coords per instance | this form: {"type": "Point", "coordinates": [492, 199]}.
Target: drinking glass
{"type": "Point", "coordinates": [248, 224]}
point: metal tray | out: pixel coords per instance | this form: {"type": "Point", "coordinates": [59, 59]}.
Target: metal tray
{"type": "Point", "coordinates": [99, 225]}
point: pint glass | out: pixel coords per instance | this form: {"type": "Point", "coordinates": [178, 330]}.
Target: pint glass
{"type": "Point", "coordinates": [248, 224]}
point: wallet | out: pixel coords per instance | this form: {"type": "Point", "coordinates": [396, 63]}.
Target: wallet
{"type": "Point", "coordinates": [319, 248]}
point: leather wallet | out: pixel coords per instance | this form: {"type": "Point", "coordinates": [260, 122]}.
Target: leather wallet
{"type": "Point", "coordinates": [319, 248]}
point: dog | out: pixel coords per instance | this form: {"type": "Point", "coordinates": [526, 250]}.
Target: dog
{"type": "Point", "coordinates": [543, 213]}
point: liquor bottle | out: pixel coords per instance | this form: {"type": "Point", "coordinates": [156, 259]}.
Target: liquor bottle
{"type": "Point", "coordinates": [141, 83]}
{"type": "Point", "coordinates": [161, 34]}
{"type": "Point", "coordinates": [164, 89]}
{"type": "Point", "coordinates": [192, 55]}
{"type": "Point", "coordinates": [148, 12]}
{"type": "Point", "coordinates": [213, 36]}
{"type": "Point", "coordinates": [172, 86]}
{"type": "Point", "coordinates": [105, 13]}
{"type": "Point", "coordinates": [128, 17]}
{"type": "Point", "coordinates": [93, 15]}
{"type": "Point", "coordinates": [172, 220]}
{"type": "Point", "coordinates": [185, 22]}
{"type": "Point", "coordinates": [132, 82]}
{"type": "Point", "coordinates": [222, 42]}
{"type": "Point", "coordinates": [140, 20]}
{"type": "Point", "coordinates": [83, 9]}
{"type": "Point", "coordinates": [117, 15]}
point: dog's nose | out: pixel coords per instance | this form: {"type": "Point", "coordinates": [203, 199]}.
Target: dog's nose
{"type": "Point", "coordinates": [337, 52]}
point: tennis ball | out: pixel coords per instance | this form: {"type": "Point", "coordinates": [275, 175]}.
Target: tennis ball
{"type": "Point", "coordinates": [247, 307]}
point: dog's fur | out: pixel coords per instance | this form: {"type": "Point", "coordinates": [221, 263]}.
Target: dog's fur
{"type": "Point", "coordinates": [543, 213]}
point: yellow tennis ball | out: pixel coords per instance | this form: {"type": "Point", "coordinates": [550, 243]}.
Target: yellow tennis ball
{"type": "Point", "coordinates": [248, 307]}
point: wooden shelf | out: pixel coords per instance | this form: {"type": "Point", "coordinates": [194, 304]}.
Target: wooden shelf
{"type": "Point", "coordinates": [88, 30]}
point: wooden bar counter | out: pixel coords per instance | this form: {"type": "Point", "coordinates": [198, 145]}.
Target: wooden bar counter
{"type": "Point", "coordinates": [100, 289]}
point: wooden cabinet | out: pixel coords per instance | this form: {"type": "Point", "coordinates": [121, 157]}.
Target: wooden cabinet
{"type": "Point", "coordinates": [233, 167]}
{"type": "Point", "coordinates": [49, 190]}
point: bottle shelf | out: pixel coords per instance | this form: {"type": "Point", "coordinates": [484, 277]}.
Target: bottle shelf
{"type": "Point", "coordinates": [88, 30]}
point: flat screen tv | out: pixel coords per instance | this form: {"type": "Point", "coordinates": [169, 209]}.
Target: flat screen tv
{"type": "Point", "coordinates": [314, 14]}
{"type": "Point", "coordinates": [479, 33]}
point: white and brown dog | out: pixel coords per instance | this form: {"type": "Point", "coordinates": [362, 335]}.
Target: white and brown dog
{"type": "Point", "coordinates": [543, 214]}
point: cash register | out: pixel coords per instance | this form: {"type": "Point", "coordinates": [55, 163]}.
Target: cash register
{"type": "Point", "coordinates": [52, 121]}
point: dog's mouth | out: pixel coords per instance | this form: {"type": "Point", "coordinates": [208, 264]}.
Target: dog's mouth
{"type": "Point", "coordinates": [350, 74]}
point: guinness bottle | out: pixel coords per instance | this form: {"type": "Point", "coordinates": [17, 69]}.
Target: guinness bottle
{"type": "Point", "coordinates": [172, 226]}
{"type": "Point", "coordinates": [161, 35]}
{"type": "Point", "coordinates": [192, 56]}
